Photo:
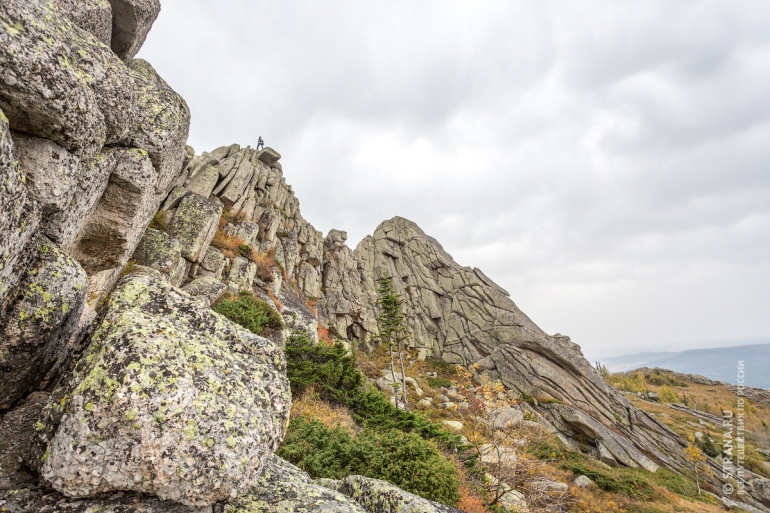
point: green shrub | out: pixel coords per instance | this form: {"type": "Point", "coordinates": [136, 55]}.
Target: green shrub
{"type": "Point", "coordinates": [330, 369]}
{"type": "Point", "coordinates": [333, 371]}
{"type": "Point", "coordinates": [244, 250]}
{"type": "Point", "coordinates": [404, 459]}
{"type": "Point", "coordinates": [250, 312]}
{"type": "Point", "coordinates": [439, 382]}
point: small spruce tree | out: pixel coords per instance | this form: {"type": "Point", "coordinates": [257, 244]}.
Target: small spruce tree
{"type": "Point", "coordinates": [392, 330]}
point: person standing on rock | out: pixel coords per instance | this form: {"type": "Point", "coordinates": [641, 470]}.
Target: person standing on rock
{"type": "Point", "coordinates": [260, 143]}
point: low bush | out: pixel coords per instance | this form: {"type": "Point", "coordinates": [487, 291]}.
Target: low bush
{"type": "Point", "coordinates": [332, 371]}
{"type": "Point", "coordinates": [329, 369]}
{"type": "Point", "coordinates": [404, 459]}
{"type": "Point", "coordinates": [250, 312]}
{"type": "Point", "coordinates": [666, 395]}
{"type": "Point", "coordinates": [439, 382]}
{"type": "Point", "coordinates": [245, 250]}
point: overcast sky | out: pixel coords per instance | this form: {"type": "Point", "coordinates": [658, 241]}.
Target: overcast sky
{"type": "Point", "coordinates": [606, 162]}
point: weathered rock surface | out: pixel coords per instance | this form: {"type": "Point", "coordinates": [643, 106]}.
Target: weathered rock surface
{"type": "Point", "coordinates": [17, 429]}
{"type": "Point", "coordinates": [285, 488]}
{"type": "Point", "coordinates": [163, 253]}
{"type": "Point", "coordinates": [194, 225]}
{"type": "Point", "coordinates": [29, 500]}
{"type": "Point", "coordinates": [381, 497]}
{"type": "Point", "coordinates": [94, 16]}
{"type": "Point", "coordinates": [207, 289]}
{"type": "Point", "coordinates": [170, 399]}
{"type": "Point", "coordinates": [39, 320]}
{"type": "Point", "coordinates": [131, 22]}
{"type": "Point", "coordinates": [20, 219]}
{"type": "Point", "coordinates": [115, 225]}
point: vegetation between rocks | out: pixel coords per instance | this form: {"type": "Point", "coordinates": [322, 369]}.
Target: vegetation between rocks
{"type": "Point", "coordinates": [252, 313]}
{"type": "Point", "coordinates": [402, 458]}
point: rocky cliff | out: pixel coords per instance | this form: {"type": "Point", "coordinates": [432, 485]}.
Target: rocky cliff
{"type": "Point", "coordinates": [121, 390]}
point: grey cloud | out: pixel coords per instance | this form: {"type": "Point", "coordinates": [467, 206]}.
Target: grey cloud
{"type": "Point", "coordinates": [607, 162]}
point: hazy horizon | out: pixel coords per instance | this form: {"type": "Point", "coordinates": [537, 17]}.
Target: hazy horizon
{"type": "Point", "coordinates": [605, 162]}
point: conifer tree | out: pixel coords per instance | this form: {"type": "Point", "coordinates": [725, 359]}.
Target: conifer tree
{"type": "Point", "coordinates": [392, 330]}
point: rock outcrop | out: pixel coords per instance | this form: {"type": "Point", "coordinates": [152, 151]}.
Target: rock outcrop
{"type": "Point", "coordinates": [141, 399]}
{"type": "Point", "coordinates": [170, 399]}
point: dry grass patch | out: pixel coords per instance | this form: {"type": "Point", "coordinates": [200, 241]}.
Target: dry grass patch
{"type": "Point", "coordinates": [310, 404]}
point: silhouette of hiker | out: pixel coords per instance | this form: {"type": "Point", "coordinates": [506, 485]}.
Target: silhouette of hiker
{"type": "Point", "coordinates": [260, 143]}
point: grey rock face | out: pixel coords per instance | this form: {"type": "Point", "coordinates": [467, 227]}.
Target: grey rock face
{"type": "Point", "coordinates": [269, 156]}
{"type": "Point", "coordinates": [93, 16]}
{"type": "Point", "coordinates": [207, 289]}
{"type": "Point", "coordinates": [17, 428]}
{"type": "Point", "coordinates": [194, 225]}
{"type": "Point", "coordinates": [113, 228]}
{"type": "Point", "coordinates": [163, 120]}
{"type": "Point", "coordinates": [203, 182]}
{"type": "Point", "coordinates": [214, 263]}
{"type": "Point", "coordinates": [52, 176]}
{"type": "Point", "coordinates": [43, 500]}
{"type": "Point", "coordinates": [583, 482]}
{"type": "Point", "coordinates": [39, 320]}
{"type": "Point", "coordinates": [20, 219]}
{"type": "Point", "coordinates": [163, 253]}
{"type": "Point", "coordinates": [618, 446]}
{"type": "Point", "coordinates": [60, 104]}
{"type": "Point", "coordinates": [170, 399]}
{"type": "Point", "coordinates": [242, 274]}
{"type": "Point", "coordinates": [381, 497]}
{"type": "Point", "coordinates": [131, 22]}
{"type": "Point", "coordinates": [283, 488]}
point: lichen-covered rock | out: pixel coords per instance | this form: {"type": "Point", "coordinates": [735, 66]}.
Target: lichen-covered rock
{"type": "Point", "coordinates": [52, 176]}
{"type": "Point", "coordinates": [163, 253]}
{"type": "Point", "coordinates": [163, 121]}
{"type": "Point", "coordinates": [39, 320]}
{"type": "Point", "coordinates": [132, 21]}
{"type": "Point", "coordinates": [283, 488]}
{"type": "Point", "coordinates": [204, 181]}
{"type": "Point", "coordinates": [213, 264]}
{"type": "Point", "coordinates": [206, 288]}
{"type": "Point", "coordinates": [79, 99]}
{"type": "Point", "coordinates": [242, 274]}
{"type": "Point", "coordinates": [20, 216]}
{"type": "Point", "coordinates": [43, 500]}
{"type": "Point", "coordinates": [94, 16]}
{"type": "Point", "coordinates": [194, 225]}
{"type": "Point", "coordinates": [17, 428]}
{"type": "Point", "coordinates": [115, 225]}
{"type": "Point", "coordinates": [170, 399]}
{"type": "Point", "coordinates": [382, 497]}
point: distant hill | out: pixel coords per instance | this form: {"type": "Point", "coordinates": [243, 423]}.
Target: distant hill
{"type": "Point", "coordinates": [715, 363]}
